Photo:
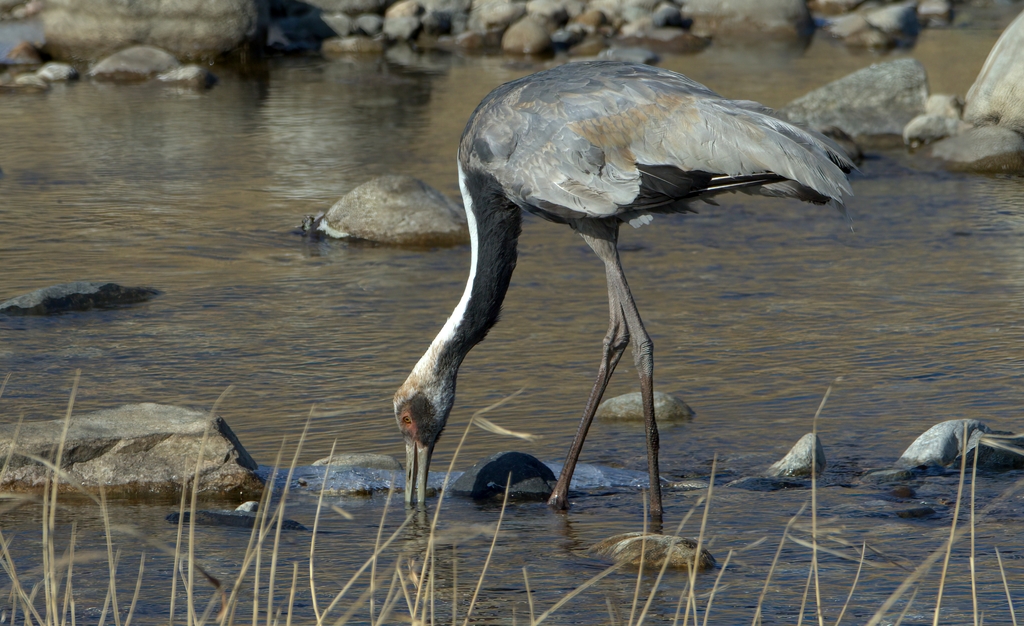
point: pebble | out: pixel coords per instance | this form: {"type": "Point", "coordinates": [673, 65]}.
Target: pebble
{"type": "Point", "coordinates": [55, 72]}
{"type": "Point", "coordinates": [652, 550]}
{"type": "Point", "coordinates": [192, 76]}
{"type": "Point", "coordinates": [402, 28]}
{"type": "Point", "coordinates": [916, 512]}
{"type": "Point", "coordinates": [925, 129]}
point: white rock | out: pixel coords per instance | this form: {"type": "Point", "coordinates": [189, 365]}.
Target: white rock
{"type": "Point", "coordinates": [925, 129]}
{"type": "Point", "coordinates": [941, 444]}
{"type": "Point", "coordinates": [807, 452]}
{"type": "Point", "coordinates": [997, 95]}
{"type": "Point", "coordinates": [54, 72]}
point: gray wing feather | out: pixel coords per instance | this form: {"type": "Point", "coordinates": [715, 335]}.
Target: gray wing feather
{"type": "Point", "coordinates": [566, 142]}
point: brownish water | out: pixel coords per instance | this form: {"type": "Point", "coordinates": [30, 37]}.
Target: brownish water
{"type": "Point", "coordinates": [754, 307]}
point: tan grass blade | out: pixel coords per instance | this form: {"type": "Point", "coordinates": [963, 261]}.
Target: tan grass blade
{"type": "Point", "coordinates": [490, 553]}
{"type": "Point", "coordinates": [529, 596]}
{"type": "Point", "coordinates": [138, 588]}
{"type": "Point", "coordinates": [974, 577]}
{"type": "Point", "coordinates": [856, 578]}
{"type": "Point", "coordinates": [718, 580]}
{"type": "Point", "coordinates": [110, 556]}
{"type": "Point", "coordinates": [376, 545]}
{"type": "Point", "coordinates": [952, 528]}
{"type": "Point", "coordinates": [814, 504]}
{"type": "Point", "coordinates": [281, 505]}
{"type": "Point", "coordinates": [807, 588]}
{"type": "Point", "coordinates": [906, 609]}
{"type": "Point", "coordinates": [640, 571]}
{"type": "Point", "coordinates": [291, 595]}
{"type": "Point", "coordinates": [1009, 600]}
{"type": "Point", "coordinates": [491, 427]}
{"type": "Point", "coordinates": [316, 525]}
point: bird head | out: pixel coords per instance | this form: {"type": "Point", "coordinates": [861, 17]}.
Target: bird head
{"type": "Point", "coordinates": [421, 412]}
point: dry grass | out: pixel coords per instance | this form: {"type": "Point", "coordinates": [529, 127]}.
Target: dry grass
{"type": "Point", "coordinates": [398, 584]}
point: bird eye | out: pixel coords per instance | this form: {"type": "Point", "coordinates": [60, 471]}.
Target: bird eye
{"type": "Point", "coordinates": [406, 419]}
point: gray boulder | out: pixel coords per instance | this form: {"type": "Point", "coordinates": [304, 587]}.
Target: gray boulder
{"type": "Point", "coordinates": [940, 445]}
{"type": "Point", "coordinates": [77, 296]}
{"type": "Point", "coordinates": [134, 450]}
{"type": "Point", "coordinates": [877, 100]}
{"type": "Point", "coordinates": [798, 461]}
{"type": "Point", "coordinates": [495, 15]}
{"type": "Point", "coordinates": [135, 63]}
{"type": "Point", "coordinates": [997, 95]}
{"type": "Point", "coordinates": [992, 457]}
{"type": "Point", "coordinates": [187, 28]}
{"type": "Point", "coordinates": [402, 28]}
{"type": "Point", "coordinates": [530, 479]}
{"type": "Point", "coordinates": [361, 459]}
{"type": "Point", "coordinates": [983, 149]}
{"type": "Point", "coordinates": [745, 17]}
{"type": "Point", "coordinates": [652, 550]}
{"type": "Point", "coordinates": [629, 407]}
{"type": "Point", "coordinates": [398, 210]}
{"type": "Point", "coordinates": [340, 23]}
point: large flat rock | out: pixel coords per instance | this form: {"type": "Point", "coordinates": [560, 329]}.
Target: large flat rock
{"type": "Point", "coordinates": [134, 450]}
{"type": "Point", "coordinates": [76, 296]}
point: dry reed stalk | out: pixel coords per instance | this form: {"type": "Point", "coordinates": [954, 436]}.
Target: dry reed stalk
{"type": "Point", "coordinates": [138, 588]}
{"type": "Point", "coordinates": [189, 589]}
{"type": "Point", "coordinates": [281, 504]}
{"type": "Point", "coordinates": [376, 544]}
{"type": "Point", "coordinates": [952, 527]}
{"type": "Point", "coordinates": [903, 613]}
{"type": "Point", "coordinates": [814, 503]}
{"type": "Point", "coordinates": [312, 538]}
{"type": "Point", "coordinates": [643, 551]}
{"type": "Point", "coordinates": [291, 595]}
{"type": "Point", "coordinates": [856, 578]}
{"type": "Point", "coordinates": [68, 598]}
{"type": "Point", "coordinates": [1009, 600]}
{"type": "Point", "coordinates": [177, 547]}
{"type": "Point", "coordinates": [974, 578]}
{"type": "Point", "coordinates": [529, 595]}
{"type": "Point", "coordinates": [803, 602]}
{"type": "Point", "coordinates": [718, 579]}
{"type": "Point", "coordinates": [263, 513]}
{"type": "Point", "coordinates": [110, 556]}
{"type": "Point", "coordinates": [575, 592]}
{"type": "Point", "coordinates": [490, 553]}
{"type": "Point", "coordinates": [700, 543]}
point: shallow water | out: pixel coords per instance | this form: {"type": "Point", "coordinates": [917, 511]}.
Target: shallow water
{"type": "Point", "coordinates": [754, 307]}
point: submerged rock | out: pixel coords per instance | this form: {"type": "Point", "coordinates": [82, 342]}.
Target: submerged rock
{"type": "Point", "coordinates": [135, 63]}
{"type": "Point", "coordinates": [231, 519]}
{"type": "Point", "coordinates": [629, 407]}
{"type": "Point", "coordinates": [983, 149]}
{"type": "Point", "coordinates": [133, 450]}
{"type": "Point", "coordinates": [530, 479]}
{"type": "Point", "coordinates": [77, 296]}
{"type": "Point", "coordinates": [798, 461]}
{"type": "Point", "coordinates": [398, 210]}
{"type": "Point", "coordinates": [652, 550]}
{"type": "Point", "coordinates": [886, 476]}
{"type": "Point", "coordinates": [361, 459]}
{"type": "Point", "coordinates": [766, 483]}
{"type": "Point", "coordinates": [877, 100]}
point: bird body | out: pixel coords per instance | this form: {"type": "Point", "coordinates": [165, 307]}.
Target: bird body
{"type": "Point", "coordinates": [592, 145]}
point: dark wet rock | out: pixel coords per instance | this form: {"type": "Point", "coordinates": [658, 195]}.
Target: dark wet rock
{"type": "Point", "coordinates": [798, 462]}
{"type": "Point", "coordinates": [902, 491]}
{"type": "Point", "coordinates": [935, 12]}
{"type": "Point", "coordinates": [652, 550]}
{"type": "Point", "coordinates": [629, 407]}
{"type": "Point", "coordinates": [881, 477]}
{"type": "Point", "coordinates": [231, 519]}
{"type": "Point", "coordinates": [925, 129]}
{"type": "Point", "coordinates": [995, 98]}
{"type": "Point", "coordinates": [369, 24]}
{"type": "Point", "coordinates": [528, 36]}
{"type": "Point", "coordinates": [745, 17]}
{"type": "Point", "coordinates": [531, 479]}
{"type": "Point", "coordinates": [399, 210]}
{"type": "Point", "coordinates": [940, 445]}
{"type": "Point", "coordinates": [23, 53]}
{"type": "Point", "coordinates": [135, 63]}
{"type": "Point", "coordinates": [77, 296]}
{"type": "Point", "coordinates": [340, 23]}
{"type": "Point", "coordinates": [991, 457]}
{"type": "Point", "coordinates": [361, 459]}
{"type": "Point", "coordinates": [667, 14]}
{"type": "Point", "coordinates": [351, 7]}
{"type": "Point", "coordinates": [402, 28]}
{"type": "Point", "coordinates": [983, 149]}
{"type": "Point", "coordinates": [666, 40]}
{"type": "Point", "coordinates": [877, 100]}
{"type": "Point", "coordinates": [630, 55]}
{"type": "Point", "coordinates": [186, 28]}
{"type": "Point", "coordinates": [354, 45]}
{"type": "Point", "coordinates": [55, 72]}
{"type": "Point", "coordinates": [765, 483]}
{"type": "Point", "coordinates": [495, 15]}
{"type": "Point", "coordinates": [133, 450]}
{"type": "Point", "coordinates": [299, 32]}
{"type": "Point", "coordinates": [192, 76]}
{"type": "Point", "coordinates": [918, 512]}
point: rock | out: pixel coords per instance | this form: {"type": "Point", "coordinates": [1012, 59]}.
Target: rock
{"type": "Point", "coordinates": [983, 149]}
{"type": "Point", "coordinates": [903, 491]}
{"type": "Point", "coordinates": [351, 7]}
{"type": "Point", "coordinates": [798, 461]}
{"type": "Point", "coordinates": [193, 29]}
{"type": "Point", "coordinates": [887, 476]}
{"type": "Point", "coordinates": [765, 483]}
{"type": "Point", "coordinates": [634, 548]}
{"type": "Point", "coordinates": [340, 23]}
{"type": "Point", "coordinates": [299, 31]}
{"type": "Point", "coordinates": [531, 479]}
{"type": "Point", "coordinates": [763, 17]}
{"type": "Point", "coordinates": [404, 8]}
{"type": "Point", "coordinates": [30, 82]}
{"type": "Point", "coordinates": [666, 40]}
{"type": "Point", "coordinates": [667, 15]}
{"type": "Point", "coordinates": [935, 12]}
{"type": "Point", "coordinates": [495, 15]}
{"type": "Point", "coordinates": [591, 19]}
{"type": "Point", "coordinates": [939, 445]}
{"type": "Point", "coordinates": [55, 72]}
{"type": "Point", "coordinates": [855, 31]}
{"type": "Point", "coordinates": [636, 28]}
{"type": "Point", "coordinates": [550, 12]}
{"type": "Point", "coordinates": [590, 46]}
{"type": "Point", "coordinates": [632, 55]}
{"type": "Point", "coordinates": [191, 76]}
{"type": "Point", "coordinates": [997, 95]}
{"type": "Point", "coordinates": [440, 23]}
{"type": "Point", "coordinates": [369, 24]}
{"type": "Point", "coordinates": [629, 407]}
{"type": "Point", "coordinates": [916, 512]}
{"type": "Point", "coordinates": [356, 45]}
{"type": "Point", "coordinates": [77, 296]}
{"type": "Point", "coordinates": [248, 507]}
{"type": "Point", "coordinates": [23, 53]}
{"type": "Point", "coordinates": [565, 38]}
{"type": "Point", "coordinates": [877, 100]}
{"type": "Point", "coordinates": [528, 36]}
{"type": "Point", "coordinates": [361, 459]}
{"type": "Point", "coordinates": [992, 458]}
{"type": "Point", "coordinates": [925, 129]}
{"type": "Point", "coordinates": [945, 105]}
{"type": "Point", "coordinates": [232, 519]}
{"type": "Point", "coordinates": [833, 7]}
{"type": "Point", "coordinates": [133, 450]}
{"type": "Point", "coordinates": [399, 210]}
{"type": "Point", "coordinates": [135, 63]}
{"type": "Point", "coordinates": [897, 19]}
{"type": "Point", "coordinates": [401, 28]}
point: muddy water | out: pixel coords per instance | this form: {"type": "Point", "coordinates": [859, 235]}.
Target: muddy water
{"type": "Point", "coordinates": [754, 307]}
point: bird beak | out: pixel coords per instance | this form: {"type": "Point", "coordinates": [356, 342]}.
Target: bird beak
{"type": "Point", "coordinates": [417, 463]}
